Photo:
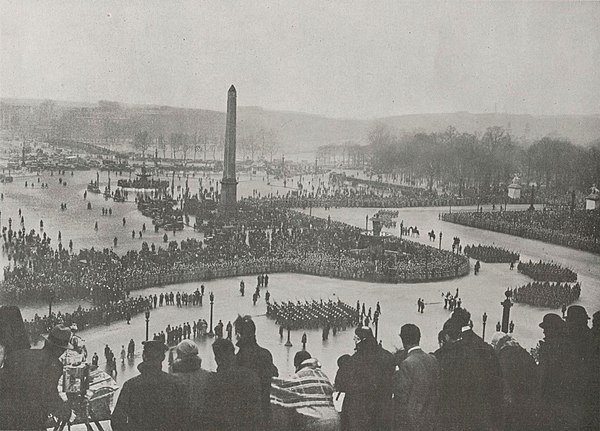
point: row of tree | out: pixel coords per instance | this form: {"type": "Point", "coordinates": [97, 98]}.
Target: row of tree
{"type": "Point", "coordinates": [487, 161]}
{"type": "Point", "coordinates": [262, 144]}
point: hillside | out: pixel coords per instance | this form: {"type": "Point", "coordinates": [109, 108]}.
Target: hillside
{"type": "Point", "coordinates": [296, 133]}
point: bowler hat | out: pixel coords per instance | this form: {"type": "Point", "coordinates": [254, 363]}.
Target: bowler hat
{"type": "Point", "coordinates": [552, 320]}
{"type": "Point", "coordinates": [577, 312]}
{"type": "Point", "coordinates": [60, 336]}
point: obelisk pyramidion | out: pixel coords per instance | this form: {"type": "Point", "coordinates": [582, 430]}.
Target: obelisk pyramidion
{"type": "Point", "coordinates": [229, 182]}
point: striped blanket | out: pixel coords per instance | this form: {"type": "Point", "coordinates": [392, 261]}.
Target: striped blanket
{"type": "Point", "coordinates": [309, 387]}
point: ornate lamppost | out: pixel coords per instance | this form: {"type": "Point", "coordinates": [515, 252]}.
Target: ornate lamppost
{"type": "Point", "coordinates": [401, 229]}
{"type": "Point", "coordinates": [147, 313]}
{"type": "Point", "coordinates": [212, 301]}
{"type": "Point", "coordinates": [484, 322]}
{"type": "Point", "coordinates": [288, 343]}
{"type": "Point", "coordinates": [51, 296]}
{"type": "Point", "coordinates": [506, 305]}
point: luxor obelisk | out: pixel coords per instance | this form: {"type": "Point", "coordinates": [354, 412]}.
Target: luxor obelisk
{"type": "Point", "coordinates": [229, 181]}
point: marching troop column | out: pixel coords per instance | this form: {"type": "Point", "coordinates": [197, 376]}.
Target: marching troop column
{"type": "Point", "coordinates": [229, 181]}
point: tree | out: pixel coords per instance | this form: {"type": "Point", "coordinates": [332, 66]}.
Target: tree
{"type": "Point", "coordinates": [141, 142]}
{"type": "Point", "coordinates": [162, 145]}
{"type": "Point", "coordinates": [185, 145]}
{"type": "Point", "coordinates": [175, 143]}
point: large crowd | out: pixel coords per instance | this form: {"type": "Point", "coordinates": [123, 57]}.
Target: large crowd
{"type": "Point", "coordinates": [546, 294]}
{"type": "Point", "coordinates": [86, 317]}
{"type": "Point", "coordinates": [264, 240]}
{"type": "Point", "coordinates": [579, 229]}
{"type": "Point", "coordinates": [490, 254]}
{"type": "Point", "coordinates": [466, 384]}
{"type": "Point", "coordinates": [547, 271]}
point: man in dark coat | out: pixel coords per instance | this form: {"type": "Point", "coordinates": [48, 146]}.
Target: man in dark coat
{"type": "Point", "coordinates": [195, 380]}
{"type": "Point", "coordinates": [415, 385]}
{"type": "Point", "coordinates": [366, 379]}
{"type": "Point", "coordinates": [258, 359]}
{"type": "Point", "coordinates": [555, 375]}
{"type": "Point", "coordinates": [486, 373]}
{"type": "Point", "coordinates": [152, 401]}
{"type": "Point", "coordinates": [520, 378]}
{"type": "Point", "coordinates": [235, 393]}
{"type": "Point", "coordinates": [470, 380]}
{"type": "Point", "coordinates": [583, 366]}
{"type": "Point", "coordinates": [30, 384]}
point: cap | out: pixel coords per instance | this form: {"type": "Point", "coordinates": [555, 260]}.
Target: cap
{"type": "Point", "coordinates": [154, 346]}
{"type": "Point", "coordinates": [577, 312]}
{"type": "Point", "coordinates": [187, 348]}
{"type": "Point", "coordinates": [552, 320]}
{"type": "Point", "coordinates": [60, 336]}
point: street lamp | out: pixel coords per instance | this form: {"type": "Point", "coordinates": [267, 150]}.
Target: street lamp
{"type": "Point", "coordinates": [288, 343]}
{"type": "Point", "coordinates": [51, 296]}
{"type": "Point", "coordinates": [440, 247]}
{"type": "Point", "coordinates": [506, 305]}
{"type": "Point", "coordinates": [147, 321]}
{"type": "Point", "coordinates": [401, 229]}
{"type": "Point", "coordinates": [484, 322]}
{"type": "Point", "coordinates": [212, 301]}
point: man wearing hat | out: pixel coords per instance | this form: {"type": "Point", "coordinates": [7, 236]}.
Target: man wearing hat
{"type": "Point", "coordinates": [256, 358]}
{"type": "Point", "coordinates": [583, 367]}
{"type": "Point", "coordinates": [152, 401]}
{"type": "Point", "coordinates": [30, 382]}
{"type": "Point", "coordinates": [366, 378]}
{"type": "Point", "coordinates": [195, 380]}
{"type": "Point", "coordinates": [554, 373]}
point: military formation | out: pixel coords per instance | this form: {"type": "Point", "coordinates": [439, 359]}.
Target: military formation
{"type": "Point", "coordinates": [313, 314]}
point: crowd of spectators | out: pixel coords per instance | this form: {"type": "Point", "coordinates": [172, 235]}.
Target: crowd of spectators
{"type": "Point", "coordinates": [466, 384]}
{"type": "Point", "coordinates": [547, 271]}
{"type": "Point", "coordinates": [578, 229]}
{"type": "Point", "coordinates": [86, 317]}
{"type": "Point", "coordinates": [263, 240]}
{"type": "Point", "coordinates": [546, 294]}
{"type": "Point", "coordinates": [490, 254]}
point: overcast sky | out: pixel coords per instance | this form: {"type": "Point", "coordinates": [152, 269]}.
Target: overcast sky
{"type": "Point", "coordinates": [359, 59]}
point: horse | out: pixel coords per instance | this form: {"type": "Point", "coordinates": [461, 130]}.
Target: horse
{"type": "Point", "coordinates": [431, 235]}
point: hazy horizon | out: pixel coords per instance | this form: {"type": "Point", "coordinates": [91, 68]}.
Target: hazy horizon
{"type": "Point", "coordinates": [350, 61]}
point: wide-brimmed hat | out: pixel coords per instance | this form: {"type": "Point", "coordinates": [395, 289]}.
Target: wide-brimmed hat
{"type": "Point", "coordinates": [60, 336]}
{"type": "Point", "coordinates": [552, 320]}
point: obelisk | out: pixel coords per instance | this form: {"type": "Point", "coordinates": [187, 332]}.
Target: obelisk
{"type": "Point", "coordinates": [229, 181]}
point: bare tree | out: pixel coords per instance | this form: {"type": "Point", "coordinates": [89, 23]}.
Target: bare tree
{"type": "Point", "coordinates": [185, 145]}
{"type": "Point", "coordinates": [270, 142]}
{"type": "Point", "coordinates": [141, 142]}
